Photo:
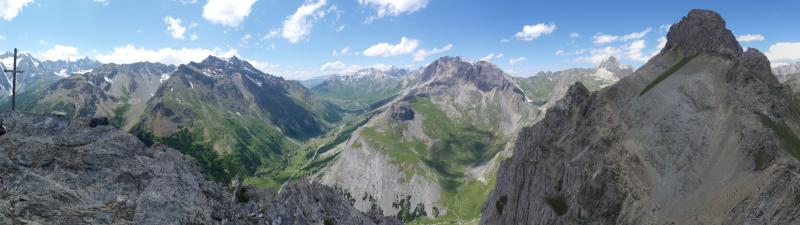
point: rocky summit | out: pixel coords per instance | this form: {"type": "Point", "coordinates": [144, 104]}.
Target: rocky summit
{"type": "Point", "coordinates": [703, 133]}
{"type": "Point", "coordinates": [56, 171]}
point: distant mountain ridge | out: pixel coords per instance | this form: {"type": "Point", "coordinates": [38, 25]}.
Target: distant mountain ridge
{"type": "Point", "coordinates": [360, 89]}
{"type": "Point", "coordinates": [39, 74]}
{"type": "Point", "coordinates": [549, 87]}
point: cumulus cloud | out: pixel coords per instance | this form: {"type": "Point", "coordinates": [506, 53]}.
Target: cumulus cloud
{"type": "Point", "coordinates": [784, 52]}
{"type": "Point", "coordinates": [61, 52]}
{"type": "Point", "coordinates": [750, 37]}
{"type": "Point", "coordinates": [534, 31]}
{"type": "Point", "coordinates": [599, 54]}
{"type": "Point", "coordinates": [175, 28]}
{"type": "Point", "coordinates": [11, 8]}
{"type": "Point", "coordinates": [227, 13]}
{"type": "Point", "coordinates": [263, 66]}
{"type": "Point", "coordinates": [516, 60]}
{"type": "Point", "coordinates": [333, 66]}
{"type": "Point", "coordinates": [394, 7]}
{"type": "Point", "coordinates": [406, 46]}
{"type": "Point", "coordinates": [298, 25]}
{"type": "Point", "coordinates": [421, 54]}
{"type": "Point", "coordinates": [492, 56]}
{"type": "Point", "coordinates": [601, 38]}
{"type": "Point", "coordinates": [130, 54]}
{"type": "Point", "coordinates": [634, 51]}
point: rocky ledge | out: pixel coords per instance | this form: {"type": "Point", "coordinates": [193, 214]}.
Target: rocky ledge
{"type": "Point", "coordinates": [57, 171]}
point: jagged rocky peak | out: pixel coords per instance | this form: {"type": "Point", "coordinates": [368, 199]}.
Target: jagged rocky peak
{"type": "Point", "coordinates": [611, 64]}
{"type": "Point", "coordinates": [702, 31]}
{"type": "Point", "coordinates": [451, 70]}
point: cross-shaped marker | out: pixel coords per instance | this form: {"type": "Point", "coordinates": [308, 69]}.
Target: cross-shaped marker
{"type": "Point", "coordinates": [14, 82]}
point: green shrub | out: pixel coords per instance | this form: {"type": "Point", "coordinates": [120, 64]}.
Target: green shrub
{"type": "Point", "coordinates": [667, 73]}
{"type": "Point", "coordinates": [500, 204]}
{"type": "Point", "coordinates": [558, 204]}
{"type": "Point", "coordinates": [788, 140]}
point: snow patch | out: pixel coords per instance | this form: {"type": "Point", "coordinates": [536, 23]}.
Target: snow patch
{"type": "Point", "coordinates": [164, 77]}
{"type": "Point", "coordinates": [603, 73]}
{"type": "Point", "coordinates": [7, 62]}
{"type": "Point", "coordinates": [62, 73]}
{"type": "Point", "coordinates": [259, 83]}
{"type": "Point", "coordinates": [108, 80]}
{"type": "Point", "coordinates": [84, 71]}
{"type": "Point", "coordinates": [191, 85]}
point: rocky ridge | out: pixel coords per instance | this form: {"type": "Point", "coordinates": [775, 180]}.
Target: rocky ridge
{"type": "Point", "coordinates": [703, 133]}
{"type": "Point", "coordinates": [54, 171]}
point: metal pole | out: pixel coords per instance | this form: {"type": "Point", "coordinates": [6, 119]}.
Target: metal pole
{"type": "Point", "coordinates": [14, 85]}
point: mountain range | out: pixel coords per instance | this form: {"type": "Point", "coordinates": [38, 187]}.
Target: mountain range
{"type": "Point", "coordinates": [37, 74]}
{"type": "Point", "coordinates": [703, 133]}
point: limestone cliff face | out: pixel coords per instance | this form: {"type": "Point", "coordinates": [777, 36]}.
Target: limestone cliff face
{"type": "Point", "coordinates": [53, 171]}
{"type": "Point", "coordinates": [445, 133]}
{"type": "Point", "coordinates": [703, 133]}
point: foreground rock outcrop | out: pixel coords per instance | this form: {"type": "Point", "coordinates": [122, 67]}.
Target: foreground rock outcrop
{"type": "Point", "coordinates": [703, 133]}
{"type": "Point", "coordinates": [55, 171]}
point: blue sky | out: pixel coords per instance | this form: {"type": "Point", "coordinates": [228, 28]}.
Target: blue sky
{"type": "Point", "coordinates": [297, 39]}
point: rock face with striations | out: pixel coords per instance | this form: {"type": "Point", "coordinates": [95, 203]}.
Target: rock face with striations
{"type": "Point", "coordinates": [703, 133]}
{"type": "Point", "coordinates": [54, 172]}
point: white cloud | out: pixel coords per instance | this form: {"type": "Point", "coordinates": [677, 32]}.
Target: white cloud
{"type": "Point", "coordinates": [104, 2]}
{"type": "Point", "coordinates": [333, 66]}
{"type": "Point", "coordinates": [131, 54]}
{"type": "Point", "coordinates": [245, 39]}
{"type": "Point", "coordinates": [11, 8]}
{"type": "Point", "coordinates": [272, 34]}
{"type": "Point", "coordinates": [634, 51]}
{"type": "Point", "coordinates": [61, 52]}
{"type": "Point", "coordinates": [750, 37]}
{"type": "Point", "coordinates": [566, 53]}
{"type": "Point", "coordinates": [298, 25]}
{"type": "Point", "coordinates": [664, 28]}
{"type": "Point", "coordinates": [784, 52]}
{"type": "Point", "coordinates": [340, 28]}
{"type": "Point", "coordinates": [175, 28]}
{"type": "Point", "coordinates": [186, 1]}
{"type": "Point", "coordinates": [531, 32]}
{"type": "Point", "coordinates": [421, 54]}
{"type": "Point", "coordinates": [599, 54]}
{"type": "Point", "coordinates": [406, 46]}
{"type": "Point", "coordinates": [394, 7]}
{"type": "Point", "coordinates": [226, 12]}
{"type": "Point", "coordinates": [344, 52]}
{"type": "Point", "coordinates": [492, 56]}
{"type": "Point", "coordinates": [574, 35]}
{"type": "Point", "coordinates": [263, 66]}
{"type": "Point", "coordinates": [662, 42]}
{"type": "Point", "coordinates": [4, 37]}
{"type": "Point", "coordinates": [601, 38]}
{"type": "Point", "coordinates": [516, 60]}
{"type": "Point", "coordinates": [193, 36]}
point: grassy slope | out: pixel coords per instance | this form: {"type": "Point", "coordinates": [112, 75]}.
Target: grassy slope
{"type": "Point", "coordinates": [457, 147]}
{"type": "Point", "coordinates": [359, 94]}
